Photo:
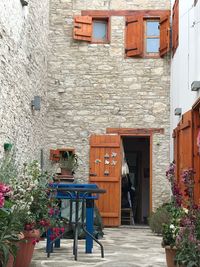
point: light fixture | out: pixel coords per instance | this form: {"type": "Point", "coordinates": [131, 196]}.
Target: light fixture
{"type": "Point", "coordinates": [177, 111]}
{"type": "Point", "coordinates": [195, 86]}
{"type": "Point", "coordinates": [24, 2]}
{"type": "Point", "coordinates": [36, 103]}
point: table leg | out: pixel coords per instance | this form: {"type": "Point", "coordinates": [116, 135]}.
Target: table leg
{"type": "Point", "coordinates": [89, 224]}
{"type": "Point", "coordinates": [49, 245]}
{"type": "Point", "coordinates": [75, 247]}
{"type": "Point", "coordinates": [57, 243]}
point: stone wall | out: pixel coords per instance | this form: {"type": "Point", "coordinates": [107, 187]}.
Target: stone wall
{"type": "Point", "coordinates": [93, 86]}
{"type": "Point", "coordinates": [23, 65]}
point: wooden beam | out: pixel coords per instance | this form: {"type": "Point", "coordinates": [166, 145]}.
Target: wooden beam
{"type": "Point", "coordinates": [108, 13]}
{"type": "Point", "coordinates": [135, 131]}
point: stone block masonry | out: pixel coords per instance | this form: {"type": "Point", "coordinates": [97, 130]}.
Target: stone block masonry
{"type": "Point", "coordinates": [92, 87]}
{"type": "Point", "coordinates": [23, 74]}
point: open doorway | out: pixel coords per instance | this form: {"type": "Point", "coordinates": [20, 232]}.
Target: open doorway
{"type": "Point", "coordinates": [135, 194]}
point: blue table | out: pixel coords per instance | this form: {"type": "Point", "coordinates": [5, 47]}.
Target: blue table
{"type": "Point", "coordinates": [83, 194]}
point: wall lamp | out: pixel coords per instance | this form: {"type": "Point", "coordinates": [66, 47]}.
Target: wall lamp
{"type": "Point", "coordinates": [195, 86]}
{"type": "Point", "coordinates": [178, 111]}
{"type": "Point", "coordinates": [24, 2]}
{"type": "Point", "coordinates": [35, 104]}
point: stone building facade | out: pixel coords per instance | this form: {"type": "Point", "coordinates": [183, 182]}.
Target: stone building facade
{"type": "Point", "coordinates": [92, 87]}
{"type": "Point", "coordinates": [23, 75]}
{"type": "Point", "coordinates": [85, 87]}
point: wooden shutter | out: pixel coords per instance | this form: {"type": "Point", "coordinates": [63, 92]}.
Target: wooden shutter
{"type": "Point", "coordinates": [175, 26]}
{"type": "Point", "coordinates": [196, 156]}
{"type": "Point", "coordinates": [83, 28]}
{"type": "Point", "coordinates": [183, 146]}
{"type": "Point", "coordinates": [105, 171]}
{"type": "Point", "coordinates": [176, 152]}
{"type": "Point", "coordinates": [134, 36]}
{"type": "Point", "coordinates": [164, 35]}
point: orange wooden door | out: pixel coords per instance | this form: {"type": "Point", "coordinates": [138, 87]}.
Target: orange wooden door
{"type": "Point", "coordinates": [196, 156]}
{"type": "Point", "coordinates": [105, 171]}
{"type": "Point", "coordinates": [183, 146]}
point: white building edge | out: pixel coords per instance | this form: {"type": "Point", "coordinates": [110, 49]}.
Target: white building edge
{"type": "Point", "coordinates": [185, 64]}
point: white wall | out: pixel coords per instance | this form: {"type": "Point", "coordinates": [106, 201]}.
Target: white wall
{"type": "Point", "coordinates": [185, 67]}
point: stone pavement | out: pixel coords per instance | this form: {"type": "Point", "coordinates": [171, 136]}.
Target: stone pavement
{"type": "Point", "coordinates": [124, 247]}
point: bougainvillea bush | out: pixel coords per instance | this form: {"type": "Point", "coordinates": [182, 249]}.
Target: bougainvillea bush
{"type": "Point", "coordinates": [183, 230]}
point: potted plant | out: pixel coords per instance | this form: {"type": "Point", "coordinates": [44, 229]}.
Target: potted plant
{"type": "Point", "coordinates": [68, 163]}
{"type": "Point", "coordinates": [171, 228]}
{"type": "Point", "coordinates": [181, 235]}
{"type": "Point", "coordinates": [30, 198]}
{"type": "Point", "coordinates": [10, 227]}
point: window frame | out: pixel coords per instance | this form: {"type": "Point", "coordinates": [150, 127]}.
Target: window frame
{"type": "Point", "coordinates": [105, 19]}
{"type": "Point", "coordinates": [175, 27]}
{"type": "Point", "coordinates": [144, 14]}
{"type": "Point", "coordinates": [145, 53]}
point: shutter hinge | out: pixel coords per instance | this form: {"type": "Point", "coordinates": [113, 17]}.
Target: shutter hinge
{"type": "Point", "coordinates": [77, 27]}
{"type": "Point", "coordinates": [131, 49]}
{"type": "Point", "coordinates": [132, 21]}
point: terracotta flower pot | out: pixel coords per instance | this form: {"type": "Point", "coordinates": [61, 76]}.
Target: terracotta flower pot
{"type": "Point", "coordinates": [10, 261]}
{"type": "Point", "coordinates": [26, 248]}
{"type": "Point", "coordinates": [170, 256]}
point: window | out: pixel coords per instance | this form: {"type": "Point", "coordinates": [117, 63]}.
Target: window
{"type": "Point", "coordinates": [147, 31]}
{"type": "Point", "coordinates": [100, 31]}
{"type": "Point", "coordinates": [91, 29]}
{"type": "Point", "coordinates": [175, 27]}
{"type": "Point", "coordinates": [146, 35]}
{"type": "Point", "coordinates": [152, 37]}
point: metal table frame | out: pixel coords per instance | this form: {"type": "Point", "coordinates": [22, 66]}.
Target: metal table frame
{"type": "Point", "coordinates": [79, 194]}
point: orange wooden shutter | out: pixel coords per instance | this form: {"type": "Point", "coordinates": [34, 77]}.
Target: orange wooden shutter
{"type": "Point", "coordinates": [196, 129]}
{"type": "Point", "coordinates": [184, 147]}
{"type": "Point", "coordinates": [134, 36]}
{"type": "Point", "coordinates": [83, 28]}
{"type": "Point", "coordinates": [175, 135]}
{"type": "Point", "coordinates": [105, 171]}
{"type": "Point", "coordinates": [164, 35]}
{"type": "Point", "coordinates": [175, 26]}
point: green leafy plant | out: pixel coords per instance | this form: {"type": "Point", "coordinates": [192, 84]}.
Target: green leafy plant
{"type": "Point", "coordinates": [10, 233]}
{"type": "Point", "coordinates": [30, 196]}
{"type": "Point", "coordinates": [8, 168]}
{"type": "Point", "coordinates": [171, 229]}
{"type": "Point", "coordinates": [161, 216]}
{"type": "Point", "coordinates": [69, 161]}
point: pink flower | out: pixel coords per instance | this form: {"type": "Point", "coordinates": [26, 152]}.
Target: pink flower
{"type": "Point", "coordinates": [4, 188]}
{"type": "Point", "coordinates": [2, 200]}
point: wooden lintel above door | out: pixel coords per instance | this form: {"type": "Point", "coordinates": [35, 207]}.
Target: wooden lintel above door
{"type": "Point", "coordinates": [135, 131]}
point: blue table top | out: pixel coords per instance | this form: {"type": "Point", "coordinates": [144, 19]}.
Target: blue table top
{"type": "Point", "coordinates": [63, 193]}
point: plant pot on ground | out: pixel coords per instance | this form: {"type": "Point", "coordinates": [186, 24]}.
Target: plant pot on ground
{"type": "Point", "coordinates": [170, 256]}
{"type": "Point", "coordinates": [26, 247]}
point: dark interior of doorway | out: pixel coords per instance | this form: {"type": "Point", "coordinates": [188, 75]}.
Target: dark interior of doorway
{"type": "Point", "coordinates": [135, 186]}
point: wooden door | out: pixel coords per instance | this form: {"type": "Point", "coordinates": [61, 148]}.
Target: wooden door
{"type": "Point", "coordinates": [105, 171]}
{"type": "Point", "coordinates": [196, 156]}
{"type": "Point", "coordinates": [183, 146]}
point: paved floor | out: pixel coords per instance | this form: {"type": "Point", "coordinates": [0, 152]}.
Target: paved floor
{"type": "Point", "coordinates": [124, 247]}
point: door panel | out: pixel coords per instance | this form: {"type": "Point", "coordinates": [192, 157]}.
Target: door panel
{"type": "Point", "coordinates": [183, 147]}
{"type": "Point", "coordinates": [196, 156]}
{"type": "Point", "coordinates": [105, 171]}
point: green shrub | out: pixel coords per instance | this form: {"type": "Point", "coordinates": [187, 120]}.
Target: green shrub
{"type": "Point", "coordinates": [161, 216]}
